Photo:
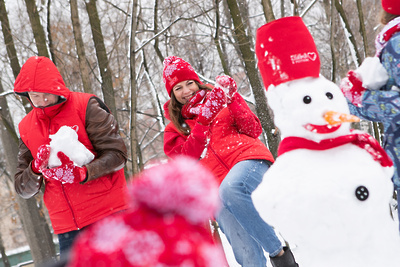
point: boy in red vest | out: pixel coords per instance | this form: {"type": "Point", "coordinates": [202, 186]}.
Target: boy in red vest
{"type": "Point", "coordinates": [75, 196]}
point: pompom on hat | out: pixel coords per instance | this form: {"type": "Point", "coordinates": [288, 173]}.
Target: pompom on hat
{"type": "Point", "coordinates": [165, 226]}
{"type": "Point", "coordinates": [286, 51]}
{"type": "Point", "coordinates": [177, 70]}
{"type": "Point", "coordinates": [391, 6]}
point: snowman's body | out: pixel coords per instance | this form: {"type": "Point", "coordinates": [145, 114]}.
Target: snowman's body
{"type": "Point", "coordinates": [310, 196]}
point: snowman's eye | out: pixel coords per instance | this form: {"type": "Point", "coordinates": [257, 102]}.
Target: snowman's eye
{"type": "Point", "coordinates": [307, 99]}
{"type": "Point", "coordinates": [329, 95]}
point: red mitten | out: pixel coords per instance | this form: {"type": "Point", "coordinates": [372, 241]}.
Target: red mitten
{"type": "Point", "coordinates": [228, 84]}
{"type": "Point", "coordinates": [215, 102]}
{"type": "Point", "coordinates": [42, 159]}
{"type": "Point", "coordinates": [193, 107]}
{"type": "Point", "coordinates": [352, 88]}
{"type": "Point", "coordinates": [67, 172]}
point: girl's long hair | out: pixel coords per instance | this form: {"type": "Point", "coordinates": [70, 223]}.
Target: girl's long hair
{"type": "Point", "coordinates": [385, 17]}
{"type": "Point", "coordinates": [175, 109]}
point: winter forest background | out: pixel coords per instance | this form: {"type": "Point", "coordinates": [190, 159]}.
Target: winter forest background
{"type": "Point", "coordinates": [115, 49]}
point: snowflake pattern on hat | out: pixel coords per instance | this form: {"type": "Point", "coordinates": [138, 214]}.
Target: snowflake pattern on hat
{"type": "Point", "coordinates": [165, 226]}
{"type": "Point", "coordinates": [177, 70]}
{"type": "Point", "coordinates": [144, 248]}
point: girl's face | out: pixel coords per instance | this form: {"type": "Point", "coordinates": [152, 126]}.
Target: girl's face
{"type": "Point", "coordinates": [183, 91]}
{"type": "Point", "coordinates": [41, 100]}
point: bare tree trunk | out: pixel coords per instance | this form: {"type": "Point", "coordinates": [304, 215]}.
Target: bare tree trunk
{"type": "Point", "coordinates": [8, 40]}
{"type": "Point", "coordinates": [268, 11]}
{"type": "Point", "coordinates": [362, 28]}
{"type": "Point", "coordinates": [134, 138]}
{"type": "Point", "coordinates": [217, 42]}
{"type": "Point", "coordinates": [262, 109]}
{"type": "Point", "coordinates": [329, 8]}
{"type": "Point", "coordinates": [36, 229]}
{"type": "Point", "coordinates": [80, 48]}
{"type": "Point", "coordinates": [105, 71]}
{"type": "Point", "coordinates": [157, 41]}
{"type": "Point", "coordinates": [11, 51]}
{"type": "Point", "coordinates": [51, 45]}
{"type": "Point", "coordinates": [350, 34]}
{"type": "Point", "coordinates": [37, 29]}
{"type": "Point", "coordinates": [4, 256]}
{"type": "Point", "coordinates": [295, 9]}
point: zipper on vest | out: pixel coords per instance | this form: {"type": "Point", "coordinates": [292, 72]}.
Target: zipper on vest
{"type": "Point", "coordinates": [70, 207]}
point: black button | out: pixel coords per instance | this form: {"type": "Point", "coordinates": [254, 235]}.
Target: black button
{"type": "Point", "coordinates": [362, 193]}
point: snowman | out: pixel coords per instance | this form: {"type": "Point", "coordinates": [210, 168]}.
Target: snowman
{"type": "Point", "coordinates": [329, 191]}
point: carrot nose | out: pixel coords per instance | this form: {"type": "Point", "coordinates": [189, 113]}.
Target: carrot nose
{"type": "Point", "coordinates": [333, 117]}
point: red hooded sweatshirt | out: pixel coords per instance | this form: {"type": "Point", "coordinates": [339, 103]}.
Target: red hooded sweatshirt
{"type": "Point", "coordinates": [71, 206]}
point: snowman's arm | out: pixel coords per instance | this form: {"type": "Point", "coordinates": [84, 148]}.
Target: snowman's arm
{"type": "Point", "coordinates": [191, 145]}
{"type": "Point", "coordinates": [245, 120]}
{"type": "Point", "coordinates": [26, 182]}
{"type": "Point", "coordinates": [103, 132]}
{"type": "Point", "coordinates": [382, 106]}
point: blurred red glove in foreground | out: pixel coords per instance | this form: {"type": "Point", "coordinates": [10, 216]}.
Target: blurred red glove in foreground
{"type": "Point", "coordinates": [42, 159]}
{"type": "Point", "coordinates": [352, 87]}
{"type": "Point", "coordinates": [67, 172]}
{"type": "Point", "coordinates": [228, 84]}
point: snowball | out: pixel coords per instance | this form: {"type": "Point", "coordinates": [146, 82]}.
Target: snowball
{"type": "Point", "coordinates": [66, 141]}
{"type": "Point", "coordinates": [373, 74]}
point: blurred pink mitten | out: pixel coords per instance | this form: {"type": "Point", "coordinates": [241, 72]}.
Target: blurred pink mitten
{"type": "Point", "coordinates": [352, 87]}
{"type": "Point", "coordinates": [67, 172]}
{"type": "Point", "coordinates": [193, 107]}
{"type": "Point", "coordinates": [42, 158]}
{"type": "Point", "coordinates": [228, 84]}
{"type": "Point", "coordinates": [215, 102]}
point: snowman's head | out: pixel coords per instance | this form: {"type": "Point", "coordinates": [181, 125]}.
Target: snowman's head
{"type": "Point", "coordinates": [303, 108]}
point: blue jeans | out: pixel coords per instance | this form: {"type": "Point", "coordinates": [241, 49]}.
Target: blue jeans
{"type": "Point", "coordinates": [247, 233]}
{"type": "Point", "coordinates": [66, 240]}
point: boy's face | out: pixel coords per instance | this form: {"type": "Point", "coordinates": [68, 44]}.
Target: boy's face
{"type": "Point", "coordinates": [41, 100]}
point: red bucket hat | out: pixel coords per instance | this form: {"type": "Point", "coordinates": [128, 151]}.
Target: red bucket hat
{"type": "Point", "coordinates": [391, 6]}
{"type": "Point", "coordinates": [286, 51]}
{"type": "Point", "coordinates": [177, 70]}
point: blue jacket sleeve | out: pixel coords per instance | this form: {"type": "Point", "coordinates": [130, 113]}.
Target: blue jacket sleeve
{"type": "Point", "coordinates": [382, 106]}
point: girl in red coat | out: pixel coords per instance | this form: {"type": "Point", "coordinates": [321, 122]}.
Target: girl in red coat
{"type": "Point", "coordinates": [218, 128]}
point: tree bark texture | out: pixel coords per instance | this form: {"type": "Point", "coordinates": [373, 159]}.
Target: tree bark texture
{"type": "Point", "coordinates": [37, 29]}
{"type": "Point", "coordinates": [80, 48]}
{"type": "Point", "coordinates": [34, 223]}
{"type": "Point", "coordinates": [102, 59]}
{"type": "Point", "coordinates": [135, 149]}
{"type": "Point", "coordinates": [262, 109]}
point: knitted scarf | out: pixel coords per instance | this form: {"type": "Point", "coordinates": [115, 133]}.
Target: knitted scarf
{"type": "Point", "coordinates": [362, 140]}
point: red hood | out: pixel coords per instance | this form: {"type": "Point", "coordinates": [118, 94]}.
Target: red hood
{"type": "Point", "coordinates": [39, 74]}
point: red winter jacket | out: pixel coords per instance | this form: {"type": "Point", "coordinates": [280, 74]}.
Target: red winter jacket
{"type": "Point", "coordinates": [70, 206]}
{"type": "Point", "coordinates": [233, 137]}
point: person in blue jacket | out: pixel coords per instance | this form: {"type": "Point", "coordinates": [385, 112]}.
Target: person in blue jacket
{"type": "Point", "coordinates": [382, 105]}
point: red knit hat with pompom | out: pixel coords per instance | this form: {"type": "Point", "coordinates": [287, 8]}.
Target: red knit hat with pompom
{"type": "Point", "coordinates": [391, 6]}
{"type": "Point", "coordinates": [165, 226]}
{"type": "Point", "coordinates": [177, 70]}
{"type": "Point", "coordinates": [286, 51]}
